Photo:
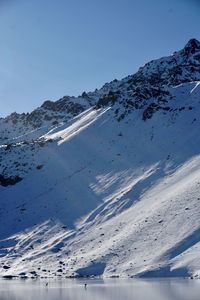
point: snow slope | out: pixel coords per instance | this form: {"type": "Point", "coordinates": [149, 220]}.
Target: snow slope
{"type": "Point", "coordinates": [113, 189]}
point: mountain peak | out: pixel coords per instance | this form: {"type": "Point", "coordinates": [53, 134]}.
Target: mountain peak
{"type": "Point", "coordinates": [192, 45]}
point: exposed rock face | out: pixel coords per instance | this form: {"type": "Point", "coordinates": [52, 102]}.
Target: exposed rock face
{"type": "Point", "coordinates": [5, 181]}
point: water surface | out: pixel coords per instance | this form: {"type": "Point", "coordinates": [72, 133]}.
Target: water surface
{"type": "Point", "coordinates": [132, 289]}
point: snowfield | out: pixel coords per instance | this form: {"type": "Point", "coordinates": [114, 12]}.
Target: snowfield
{"type": "Point", "coordinates": [112, 190]}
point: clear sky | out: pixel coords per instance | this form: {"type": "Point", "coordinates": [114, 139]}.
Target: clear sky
{"type": "Point", "coordinates": [52, 48]}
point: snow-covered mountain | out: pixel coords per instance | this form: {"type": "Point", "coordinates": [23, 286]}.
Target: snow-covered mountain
{"type": "Point", "coordinates": [107, 183]}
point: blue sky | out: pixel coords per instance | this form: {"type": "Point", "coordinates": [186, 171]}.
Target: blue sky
{"type": "Point", "coordinates": [54, 48]}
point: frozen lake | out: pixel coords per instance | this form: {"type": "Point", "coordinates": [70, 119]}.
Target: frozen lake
{"type": "Point", "coordinates": [132, 289]}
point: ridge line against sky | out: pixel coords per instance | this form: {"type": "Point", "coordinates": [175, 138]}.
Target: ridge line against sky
{"type": "Point", "coordinates": [54, 48]}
